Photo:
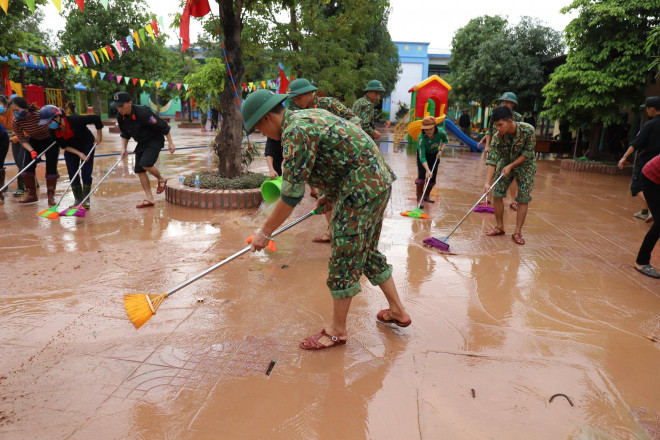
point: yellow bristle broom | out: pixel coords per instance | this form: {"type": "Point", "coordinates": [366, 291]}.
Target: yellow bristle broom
{"type": "Point", "coordinates": [141, 307]}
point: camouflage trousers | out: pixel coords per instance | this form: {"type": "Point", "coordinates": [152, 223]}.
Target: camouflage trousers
{"type": "Point", "coordinates": [524, 176]}
{"type": "Point", "coordinates": [357, 254]}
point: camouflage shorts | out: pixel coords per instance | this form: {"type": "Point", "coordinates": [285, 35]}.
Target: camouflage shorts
{"type": "Point", "coordinates": [357, 254]}
{"type": "Point", "coordinates": [524, 177]}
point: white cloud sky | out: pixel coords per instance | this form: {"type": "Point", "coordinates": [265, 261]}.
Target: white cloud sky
{"type": "Point", "coordinates": [429, 21]}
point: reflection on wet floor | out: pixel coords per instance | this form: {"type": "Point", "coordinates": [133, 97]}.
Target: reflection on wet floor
{"type": "Point", "coordinates": [498, 329]}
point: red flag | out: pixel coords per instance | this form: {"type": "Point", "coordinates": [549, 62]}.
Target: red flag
{"type": "Point", "coordinates": [134, 81]}
{"type": "Point", "coordinates": [284, 82]}
{"type": "Point", "coordinates": [154, 26]}
{"type": "Point", "coordinates": [5, 81]}
{"type": "Point", "coordinates": [81, 5]}
{"type": "Point", "coordinates": [110, 52]}
{"type": "Point", "coordinates": [196, 8]}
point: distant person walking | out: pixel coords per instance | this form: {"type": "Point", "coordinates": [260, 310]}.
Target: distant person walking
{"type": "Point", "coordinates": [647, 146]}
{"type": "Point", "coordinates": [650, 182]}
{"type": "Point", "coordinates": [464, 123]}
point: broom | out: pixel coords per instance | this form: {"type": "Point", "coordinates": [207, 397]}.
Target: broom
{"type": "Point", "coordinates": [28, 166]}
{"type": "Point", "coordinates": [441, 243]}
{"type": "Point", "coordinates": [417, 212]}
{"type": "Point", "coordinates": [141, 307]}
{"type": "Point", "coordinates": [79, 211]}
{"type": "Point", "coordinates": [52, 211]}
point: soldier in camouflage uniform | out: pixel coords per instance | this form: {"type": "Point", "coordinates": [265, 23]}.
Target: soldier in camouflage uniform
{"type": "Point", "coordinates": [335, 155]}
{"type": "Point", "coordinates": [302, 97]}
{"type": "Point", "coordinates": [512, 155]}
{"type": "Point", "coordinates": [365, 110]}
{"type": "Point", "coordinates": [510, 100]}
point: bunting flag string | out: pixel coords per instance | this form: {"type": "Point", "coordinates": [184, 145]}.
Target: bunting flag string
{"type": "Point", "coordinates": [116, 49]}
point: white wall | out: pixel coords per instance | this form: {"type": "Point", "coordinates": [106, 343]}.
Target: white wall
{"type": "Point", "coordinates": [411, 75]}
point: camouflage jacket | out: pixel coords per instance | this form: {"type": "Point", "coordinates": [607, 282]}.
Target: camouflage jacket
{"type": "Point", "coordinates": [517, 117]}
{"type": "Point", "coordinates": [505, 149]}
{"type": "Point", "coordinates": [333, 105]}
{"type": "Point", "coordinates": [332, 154]}
{"type": "Point", "coordinates": [365, 110]}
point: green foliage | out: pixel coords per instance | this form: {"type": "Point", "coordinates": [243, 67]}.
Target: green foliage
{"type": "Point", "coordinates": [98, 27]}
{"type": "Point", "coordinates": [490, 57]}
{"type": "Point", "coordinates": [339, 45]}
{"type": "Point", "coordinates": [213, 180]}
{"type": "Point", "coordinates": [207, 83]}
{"type": "Point", "coordinates": [402, 111]}
{"type": "Point", "coordinates": [606, 65]}
{"type": "Point", "coordinates": [652, 48]}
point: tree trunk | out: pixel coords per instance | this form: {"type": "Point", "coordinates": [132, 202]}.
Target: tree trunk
{"type": "Point", "coordinates": [157, 101]}
{"type": "Point", "coordinates": [594, 141]}
{"type": "Point", "coordinates": [228, 140]}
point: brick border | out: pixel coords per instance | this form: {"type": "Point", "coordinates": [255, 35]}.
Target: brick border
{"type": "Point", "coordinates": [187, 125]}
{"type": "Point", "coordinates": [178, 194]}
{"type": "Point", "coordinates": [598, 168]}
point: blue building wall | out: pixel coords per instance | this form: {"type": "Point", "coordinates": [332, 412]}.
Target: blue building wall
{"type": "Point", "coordinates": [414, 58]}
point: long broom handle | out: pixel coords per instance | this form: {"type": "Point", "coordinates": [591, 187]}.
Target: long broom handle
{"type": "Point", "coordinates": [28, 166]}
{"type": "Point", "coordinates": [427, 183]}
{"type": "Point", "coordinates": [237, 254]}
{"type": "Point", "coordinates": [101, 181]}
{"type": "Point", "coordinates": [76, 175]}
{"type": "Point", "coordinates": [474, 206]}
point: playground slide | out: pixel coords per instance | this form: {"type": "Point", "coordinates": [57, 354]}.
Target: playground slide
{"type": "Point", "coordinates": [453, 128]}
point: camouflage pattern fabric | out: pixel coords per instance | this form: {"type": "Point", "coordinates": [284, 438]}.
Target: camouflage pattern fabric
{"type": "Point", "coordinates": [354, 255]}
{"type": "Point", "coordinates": [333, 105]}
{"type": "Point", "coordinates": [517, 117]}
{"type": "Point", "coordinates": [365, 110]}
{"type": "Point", "coordinates": [504, 150]}
{"type": "Point", "coordinates": [334, 155]}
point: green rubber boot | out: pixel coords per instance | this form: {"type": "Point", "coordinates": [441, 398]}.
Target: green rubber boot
{"type": "Point", "coordinates": [78, 194]}
{"type": "Point", "coordinates": [20, 187]}
{"type": "Point", "coordinates": [85, 192]}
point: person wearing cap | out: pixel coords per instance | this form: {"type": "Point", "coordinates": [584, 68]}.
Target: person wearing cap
{"type": "Point", "coordinates": [338, 157]}
{"type": "Point", "coordinates": [301, 97]}
{"type": "Point", "coordinates": [510, 100]}
{"type": "Point", "coordinates": [430, 144]}
{"type": "Point", "coordinates": [77, 140]}
{"type": "Point", "coordinates": [149, 131]}
{"type": "Point", "coordinates": [35, 139]}
{"type": "Point", "coordinates": [512, 156]}
{"type": "Point", "coordinates": [647, 146]}
{"type": "Point", "coordinates": [364, 108]}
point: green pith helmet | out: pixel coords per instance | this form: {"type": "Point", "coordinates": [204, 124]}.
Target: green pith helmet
{"type": "Point", "coordinates": [257, 104]}
{"type": "Point", "coordinates": [300, 86]}
{"type": "Point", "coordinates": [374, 85]}
{"type": "Point", "coordinates": [509, 96]}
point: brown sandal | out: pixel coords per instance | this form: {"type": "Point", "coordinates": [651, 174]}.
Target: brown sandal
{"type": "Point", "coordinates": [514, 206]}
{"type": "Point", "coordinates": [312, 342]}
{"type": "Point", "coordinates": [381, 317]}
{"type": "Point", "coordinates": [495, 231]}
{"type": "Point", "coordinates": [517, 238]}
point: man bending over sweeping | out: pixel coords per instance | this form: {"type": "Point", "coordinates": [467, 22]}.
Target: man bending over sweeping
{"type": "Point", "coordinates": [336, 156]}
{"type": "Point", "coordinates": [512, 155]}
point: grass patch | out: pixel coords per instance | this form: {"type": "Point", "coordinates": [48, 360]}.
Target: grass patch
{"type": "Point", "coordinates": [597, 162]}
{"type": "Point", "coordinates": [213, 180]}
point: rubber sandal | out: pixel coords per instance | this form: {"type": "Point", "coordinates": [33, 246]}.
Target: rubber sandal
{"type": "Point", "coordinates": [312, 342]}
{"type": "Point", "coordinates": [160, 188]}
{"type": "Point", "coordinates": [514, 206]}
{"type": "Point", "coordinates": [648, 270]}
{"type": "Point", "coordinates": [517, 238]}
{"type": "Point", "coordinates": [321, 240]}
{"type": "Point", "coordinates": [381, 317]}
{"type": "Point", "coordinates": [145, 204]}
{"type": "Point", "coordinates": [494, 232]}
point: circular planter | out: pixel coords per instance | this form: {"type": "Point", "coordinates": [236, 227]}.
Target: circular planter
{"type": "Point", "coordinates": [223, 199]}
{"type": "Point", "coordinates": [598, 168]}
{"type": "Point", "coordinates": [114, 129]}
{"type": "Point", "coordinates": [194, 125]}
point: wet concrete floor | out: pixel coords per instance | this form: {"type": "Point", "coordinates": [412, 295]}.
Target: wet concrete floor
{"type": "Point", "coordinates": [498, 329]}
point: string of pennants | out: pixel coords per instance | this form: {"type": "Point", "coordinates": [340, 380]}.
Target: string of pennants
{"type": "Point", "coordinates": [129, 80]}
{"type": "Point", "coordinates": [131, 42]}
{"type": "Point", "coordinates": [267, 84]}
{"type": "Point", "coordinates": [58, 4]}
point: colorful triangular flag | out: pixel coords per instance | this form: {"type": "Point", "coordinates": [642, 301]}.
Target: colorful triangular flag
{"type": "Point", "coordinates": [135, 80]}
{"type": "Point", "coordinates": [102, 75]}
{"type": "Point", "coordinates": [130, 41]}
{"type": "Point", "coordinates": [141, 83]}
{"type": "Point", "coordinates": [119, 77]}
{"type": "Point", "coordinates": [151, 31]}
{"type": "Point", "coordinates": [154, 26]}
{"type": "Point", "coordinates": [30, 4]}
{"type": "Point", "coordinates": [94, 72]}
{"type": "Point", "coordinates": [81, 5]}
{"type": "Point", "coordinates": [5, 4]}
{"type": "Point", "coordinates": [104, 3]}
{"type": "Point", "coordinates": [157, 84]}
{"type": "Point", "coordinates": [141, 32]}
{"type": "Point", "coordinates": [58, 5]}
{"type": "Point", "coordinates": [137, 39]}
{"type": "Point", "coordinates": [126, 80]}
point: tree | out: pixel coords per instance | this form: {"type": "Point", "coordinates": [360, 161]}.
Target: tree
{"type": "Point", "coordinates": [606, 65]}
{"type": "Point", "coordinates": [207, 84]}
{"type": "Point", "coordinates": [97, 27]}
{"type": "Point", "coordinates": [509, 59]}
{"type": "Point", "coordinates": [340, 45]}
